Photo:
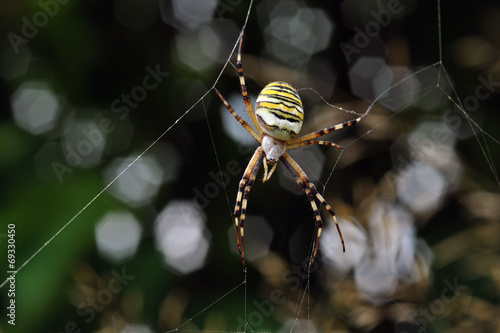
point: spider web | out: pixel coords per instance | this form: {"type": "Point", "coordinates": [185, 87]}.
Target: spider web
{"type": "Point", "coordinates": [397, 97]}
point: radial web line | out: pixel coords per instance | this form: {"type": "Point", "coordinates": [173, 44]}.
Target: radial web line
{"type": "Point", "coordinates": [480, 138]}
{"type": "Point", "coordinates": [206, 308]}
{"type": "Point", "coordinates": [482, 145]}
{"type": "Point", "coordinates": [440, 34]}
{"type": "Point", "coordinates": [227, 201]}
{"type": "Point", "coordinates": [218, 161]}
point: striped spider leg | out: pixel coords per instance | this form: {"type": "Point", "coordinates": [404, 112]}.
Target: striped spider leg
{"type": "Point", "coordinates": [278, 118]}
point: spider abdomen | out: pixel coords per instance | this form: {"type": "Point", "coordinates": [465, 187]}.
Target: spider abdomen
{"type": "Point", "coordinates": [279, 111]}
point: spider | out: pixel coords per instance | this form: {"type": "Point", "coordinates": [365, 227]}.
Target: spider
{"type": "Point", "coordinates": [278, 118]}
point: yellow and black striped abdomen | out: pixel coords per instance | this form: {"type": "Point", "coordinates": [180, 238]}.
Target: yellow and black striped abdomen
{"type": "Point", "coordinates": [279, 111]}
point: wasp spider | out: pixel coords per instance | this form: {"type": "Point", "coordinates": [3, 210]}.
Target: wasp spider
{"type": "Point", "coordinates": [278, 118]}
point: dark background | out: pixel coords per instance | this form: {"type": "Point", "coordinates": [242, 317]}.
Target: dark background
{"type": "Point", "coordinates": [91, 52]}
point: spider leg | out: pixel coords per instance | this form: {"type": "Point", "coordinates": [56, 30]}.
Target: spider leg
{"type": "Point", "coordinates": [330, 210]}
{"type": "Point", "coordinates": [310, 189]}
{"type": "Point", "coordinates": [314, 142]}
{"type": "Point", "coordinates": [307, 191]}
{"type": "Point", "coordinates": [244, 92]}
{"type": "Point", "coordinates": [235, 115]}
{"type": "Point", "coordinates": [327, 130]}
{"type": "Point", "coordinates": [244, 188]}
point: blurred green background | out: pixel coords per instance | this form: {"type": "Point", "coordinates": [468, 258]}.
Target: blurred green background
{"type": "Point", "coordinates": [87, 86]}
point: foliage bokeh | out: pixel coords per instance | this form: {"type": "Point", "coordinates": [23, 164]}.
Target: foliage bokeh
{"type": "Point", "coordinates": [90, 53]}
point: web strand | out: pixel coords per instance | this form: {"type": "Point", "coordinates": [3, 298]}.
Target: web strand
{"type": "Point", "coordinates": [178, 329]}
{"type": "Point", "coordinates": [303, 298]}
{"type": "Point", "coordinates": [41, 248]}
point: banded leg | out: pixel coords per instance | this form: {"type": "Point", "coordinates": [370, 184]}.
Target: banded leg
{"type": "Point", "coordinates": [310, 196]}
{"type": "Point", "coordinates": [327, 130]}
{"type": "Point", "coordinates": [244, 92]}
{"type": "Point", "coordinates": [244, 188]}
{"type": "Point", "coordinates": [310, 189]}
{"type": "Point", "coordinates": [318, 196]}
{"type": "Point", "coordinates": [313, 142]}
{"type": "Point", "coordinates": [235, 115]}
{"type": "Point", "coordinates": [330, 210]}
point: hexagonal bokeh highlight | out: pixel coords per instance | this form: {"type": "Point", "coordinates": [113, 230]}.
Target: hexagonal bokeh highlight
{"type": "Point", "coordinates": [433, 142]}
{"type": "Point", "coordinates": [139, 184]}
{"type": "Point", "coordinates": [362, 75]}
{"type": "Point", "coordinates": [422, 187]}
{"type": "Point", "coordinates": [189, 14]}
{"type": "Point", "coordinates": [231, 126]}
{"type": "Point", "coordinates": [396, 88]}
{"type": "Point", "coordinates": [206, 46]}
{"type": "Point", "coordinates": [331, 245]}
{"type": "Point", "coordinates": [294, 32]}
{"type": "Point", "coordinates": [295, 325]}
{"type": "Point", "coordinates": [117, 236]}
{"type": "Point", "coordinates": [83, 142]}
{"type": "Point", "coordinates": [36, 108]}
{"type": "Point", "coordinates": [392, 230]}
{"type": "Point", "coordinates": [427, 165]}
{"type": "Point", "coordinates": [197, 50]}
{"type": "Point", "coordinates": [375, 279]}
{"type": "Point", "coordinates": [391, 256]}
{"type": "Point", "coordinates": [181, 236]}
{"type": "Point", "coordinates": [193, 13]}
{"type": "Point", "coordinates": [136, 328]}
